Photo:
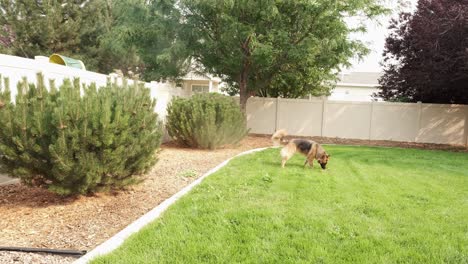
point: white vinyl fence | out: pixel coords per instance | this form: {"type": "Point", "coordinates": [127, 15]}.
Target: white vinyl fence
{"type": "Point", "coordinates": [423, 123]}
{"type": "Point", "coordinates": [16, 68]}
{"type": "Point", "coordinates": [408, 122]}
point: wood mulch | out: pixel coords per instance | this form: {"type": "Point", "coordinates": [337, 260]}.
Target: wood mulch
{"type": "Point", "coordinates": [33, 217]}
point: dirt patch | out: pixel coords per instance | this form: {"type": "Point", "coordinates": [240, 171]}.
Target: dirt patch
{"type": "Point", "coordinates": [33, 217]}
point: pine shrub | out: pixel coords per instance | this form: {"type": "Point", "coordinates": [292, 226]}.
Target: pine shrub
{"type": "Point", "coordinates": [205, 121]}
{"type": "Point", "coordinates": [78, 139]}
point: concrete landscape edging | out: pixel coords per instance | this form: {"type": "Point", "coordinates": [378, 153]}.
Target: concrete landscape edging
{"type": "Point", "coordinates": [5, 180]}
{"type": "Point", "coordinates": [117, 240]}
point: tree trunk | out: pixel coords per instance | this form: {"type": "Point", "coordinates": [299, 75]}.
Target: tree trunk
{"type": "Point", "coordinates": [243, 94]}
{"type": "Point", "coordinates": [244, 76]}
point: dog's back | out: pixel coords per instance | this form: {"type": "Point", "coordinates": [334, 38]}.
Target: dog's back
{"type": "Point", "coordinates": [303, 146]}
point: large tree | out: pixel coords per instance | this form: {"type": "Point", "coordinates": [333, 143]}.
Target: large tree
{"type": "Point", "coordinates": [88, 30]}
{"type": "Point", "coordinates": [146, 33]}
{"type": "Point", "coordinates": [44, 27]}
{"type": "Point", "coordinates": [6, 38]}
{"type": "Point", "coordinates": [426, 54]}
{"type": "Point", "coordinates": [266, 47]}
{"type": "Point", "coordinates": [115, 48]}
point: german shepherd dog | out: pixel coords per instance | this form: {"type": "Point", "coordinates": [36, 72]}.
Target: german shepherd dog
{"type": "Point", "coordinates": [312, 150]}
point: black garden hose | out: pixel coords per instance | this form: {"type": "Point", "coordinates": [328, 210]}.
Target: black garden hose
{"type": "Point", "coordinates": [77, 253]}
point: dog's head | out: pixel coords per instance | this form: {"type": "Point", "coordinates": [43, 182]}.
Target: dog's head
{"type": "Point", "coordinates": [324, 160]}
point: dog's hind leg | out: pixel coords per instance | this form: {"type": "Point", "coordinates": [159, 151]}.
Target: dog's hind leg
{"type": "Point", "coordinates": [286, 154]}
{"type": "Point", "coordinates": [283, 161]}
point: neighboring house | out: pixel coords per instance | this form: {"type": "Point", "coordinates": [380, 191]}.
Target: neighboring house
{"type": "Point", "coordinates": [352, 86]}
{"type": "Point", "coordinates": [356, 86]}
{"type": "Point", "coordinates": [198, 83]}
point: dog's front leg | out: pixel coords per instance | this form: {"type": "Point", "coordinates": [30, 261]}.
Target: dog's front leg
{"type": "Point", "coordinates": [306, 162]}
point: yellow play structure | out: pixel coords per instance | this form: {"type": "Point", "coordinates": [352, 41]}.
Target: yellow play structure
{"type": "Point", "coordinates": [62, 60]}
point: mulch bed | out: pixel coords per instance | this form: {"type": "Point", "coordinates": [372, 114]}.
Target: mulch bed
{"type": "Point", "coordinates": [33, 217]}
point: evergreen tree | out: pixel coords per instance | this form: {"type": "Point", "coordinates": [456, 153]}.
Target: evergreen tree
{"type": "Point", "coordinates": [43, 26]}
{"type": "Point", "coordinates": [117, 49]}
{"type": "Point", "coordinates": [205, 121]}
{"type": "Point", "coordinates": [143, 36]}
{"type": "Point", "coordinates": [78, 139]}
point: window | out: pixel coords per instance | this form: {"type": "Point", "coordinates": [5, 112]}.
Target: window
{"type": "Point", "coordinates": [200, 88]}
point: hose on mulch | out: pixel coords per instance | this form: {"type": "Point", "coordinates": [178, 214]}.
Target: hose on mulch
{"type": "Point", "coordinates": [77, 253]}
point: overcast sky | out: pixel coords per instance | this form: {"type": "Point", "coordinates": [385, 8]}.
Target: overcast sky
{"type": "Point", "coordinates": [375, 37]}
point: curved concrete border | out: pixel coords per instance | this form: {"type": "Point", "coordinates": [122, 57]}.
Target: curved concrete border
{"type": "Point", "coordinates": [5, 180]}
{"type": "Point", "coordinates": [149, 217]}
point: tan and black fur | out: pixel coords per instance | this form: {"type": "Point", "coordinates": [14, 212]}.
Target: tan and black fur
{"type": "Point", "coordinates": [312, 150]}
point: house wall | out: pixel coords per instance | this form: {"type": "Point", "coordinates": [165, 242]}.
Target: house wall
{"type": "Point", "coordinates": [187, 86]}
{"type": "Point", "coordinates": [352, 93]}
{"type": "Point", "coordinates": [360, 77]}
{"type": "Point", "coordinates": [409, 122]}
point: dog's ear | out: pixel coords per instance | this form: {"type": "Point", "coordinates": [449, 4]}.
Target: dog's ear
{"type": "Point", "coordinates": [328, 155]}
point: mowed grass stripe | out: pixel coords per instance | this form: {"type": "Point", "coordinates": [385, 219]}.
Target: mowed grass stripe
{"type": "Point", "coordinates": [373, 205]}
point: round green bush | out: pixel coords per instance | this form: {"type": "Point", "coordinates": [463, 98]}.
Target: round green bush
{"type": "Point", "coordinates": [78, 140]}
{"type": "Point", "coordinates": [205, 121]}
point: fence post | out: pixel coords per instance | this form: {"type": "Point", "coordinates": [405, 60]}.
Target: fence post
{"type": "Point", "coordinates": [419, 120]}
{"type": "Point", "coordinates": [370, 119]}
{"type": "Point", "coordinates": [322, 128]}
{"type": "Point", "coordinates": [276, 114]}
{"type": "Point", "coordinates": [466, 126]}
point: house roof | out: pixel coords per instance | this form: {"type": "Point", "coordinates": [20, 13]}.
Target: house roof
{"type": "Point", "coordinates": [192, 76]}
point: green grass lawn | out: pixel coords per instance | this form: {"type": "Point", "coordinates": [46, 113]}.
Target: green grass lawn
{"type": "Point", "coordinates": [372, 205]}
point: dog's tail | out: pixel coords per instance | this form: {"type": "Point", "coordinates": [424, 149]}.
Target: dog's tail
{"type": "Point", "coordinates": [278, 136]}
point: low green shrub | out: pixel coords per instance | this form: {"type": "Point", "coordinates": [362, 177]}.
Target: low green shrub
{"type": "Point", "coordinates": [78, 139]}
{"type": "Point", "coordinates": [205, 121]}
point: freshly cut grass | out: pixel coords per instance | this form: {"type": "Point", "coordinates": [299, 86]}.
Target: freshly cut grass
{"type": "Point", "coordinates": [373, 205]}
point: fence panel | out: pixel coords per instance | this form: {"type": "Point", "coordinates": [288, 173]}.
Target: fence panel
{"type": "Point", "coordinates": [261, 115]}
{"type": "Point", "coordinates": [444, 124]}
{"type": "Point", "coordinates": [300, 117]}
{"type": "Point", "coordinates": [393, 121]}
{"type": "Point", "coordinates": [347, 120]}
